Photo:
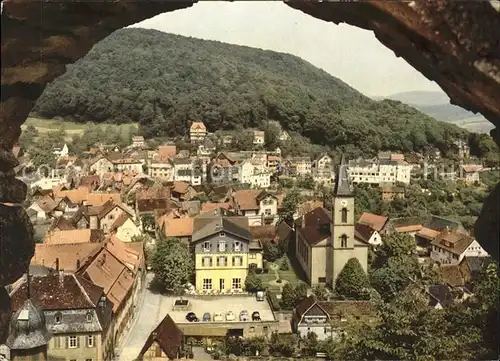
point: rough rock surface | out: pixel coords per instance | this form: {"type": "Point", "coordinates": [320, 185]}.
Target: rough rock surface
{"type": "Point", "coordinates": [453, 43]}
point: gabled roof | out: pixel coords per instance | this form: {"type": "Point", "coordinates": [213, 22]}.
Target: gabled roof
{"type": "Point", "coordinates": [316, 226]}
{"type": "Point", "coordinates": [304, 306]}
{"type": "Point", "coordinates": [453, 241]}
{"type": "Point", "coordinates": [246, 199]}
{"type": "Point", "coordinates": [180, 187]}
{"type": "Point", "coordinates": [69, 256]}
{"type": "Point", "coordinates": [198, 126]}
{"type": "Point", "coordinates": [263, 233]}
{"type": "Point", "coordinates": [375, 221]}
{"type": "Point", "coordinates": [437, 223]}
{"type": "Point", "coordinates": [168, 336]}
{"type": "Point", "coordinates": [98, 199]}
{"type": "Point", "coordinates": [62, 224]}
{"type": "Point", "coordinates": [363, 232]}
{"type": "Point", "coordinates": [441, 294]}
{"type": "Point", "coordinates": [73, 236]}
{"type": "Point", "coordinates": [54, 292]}
{"type": "Point", "coordinates": [204, 227]}
{"type": "Point", "coordinates": [210, 206]}
{"type": "Point", "coordinates": [110, 205]}
{"type": "Point", "coordinates": [120, 221]}
{"type": "Point", "coordinates": [47, 204]}
{"type": "Point", "coordinates": [178, 227]}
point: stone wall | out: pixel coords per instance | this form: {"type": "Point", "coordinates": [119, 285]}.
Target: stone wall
{"type": "Point", "coordinates": [452, 43]}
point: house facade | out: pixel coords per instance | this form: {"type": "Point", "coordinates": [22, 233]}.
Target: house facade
{"type": "Point", "coordinates": [223, 250]}
{"type": "Point", "coordinates": [451, 246]}
{"type": "Point", "coordinates": [77, 313]}
{"type": "Point", "coordinates": [101, 165]}
{"type": "Point", "coordinates": [197, 132]}
{"type": "Point", "coordinates": [163, 170]}
{"type": "Point", "coordinates": [328, 319]}
{"type": "Point", "coordinates": [379, 171]}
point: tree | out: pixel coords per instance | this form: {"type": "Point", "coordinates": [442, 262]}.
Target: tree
{"type": "Point", "coordinates": [288, 297]}
{"type": "Point", "coordinates": [300, 293]}
{"type": "Point", "coordinates": [352, 282]}
{"type": "Point", "coordinates": [320, 292]}
{"type": "Point", "coordinates": [282, 345]}
{"type": "Point", "coordinates": [272, 251]}
{"type": "Point", "coordinates": [290, 203]}
{"type": "Point", "coordinates": [148, 222]}
{"type": "Point", "coordinates": [28, 136]}
{"type": "Point", "coordinates": [306, 182]}
{"type": "Point", "coordinates": [172, 264]}
{"type": "Point", "coordinates": [271, 135]}
{"type": "Point", "coordinates": [253, 282]}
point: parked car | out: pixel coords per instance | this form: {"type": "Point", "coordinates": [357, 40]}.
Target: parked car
{"type": "Point", "coordinates": [230, 316]}
{"type": "Point", "coordinates": [191, 317]}
{"type": "Point", "coordinates": [260, 296]}
{"type": "Point", "coordinates": [218, 317]}
{"type": "Point", "coordinates": [255, 316]}
{"type": "Point", "coordinates": [207, 317]}
{"type": "Point", "coordinates": [244, 316]}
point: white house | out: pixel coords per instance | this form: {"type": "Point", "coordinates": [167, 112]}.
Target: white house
{"type": "Point", "coordinates": [260, 207]}
{"type": "Point", "coordinates": [101, 165]}
{"type": "Point", "coordinates": [328, 319]}
{"type": "Point", "coordinates": [183, 170]}
{"type": "Point", "coordinates": [131, 164]}
{"type": "Point", "coordinates": [125, 229]}
{"type": "Point", "coordinates": [379, 171]}
{"type": "Point", "coordinates": [451, 246]}
{"type": "Point", "coordinates": [61, 152]}
{"type": "Point", "coordinates": [161, 169]}
{"type": "Point", "coordinates": [367, 234]}
{"type": "Point", "coordinates": [258, 137]}
{"type": "Point", "coordinates": [261, 178]}
{"type": "Point", "coordinates": [138, 141]}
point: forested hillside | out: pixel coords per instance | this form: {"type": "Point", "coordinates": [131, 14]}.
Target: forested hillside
{"type": "Point", "coordinates": [164, 81]}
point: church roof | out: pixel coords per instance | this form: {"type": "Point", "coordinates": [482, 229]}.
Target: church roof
{"type": "Point", "coordinates": [342, 184]}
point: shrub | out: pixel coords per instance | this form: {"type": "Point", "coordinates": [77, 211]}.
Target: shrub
{"type": "Point", "coordinates": [259, 271]}
{"type": "Point", "coordinates": [284, 265]}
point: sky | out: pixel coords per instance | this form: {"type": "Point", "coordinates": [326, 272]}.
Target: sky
{"type": "Point", "coordinates": [349, 53]}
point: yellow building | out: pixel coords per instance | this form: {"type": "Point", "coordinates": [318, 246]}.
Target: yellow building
{"type": "Point", "coordinates": [224, 251]}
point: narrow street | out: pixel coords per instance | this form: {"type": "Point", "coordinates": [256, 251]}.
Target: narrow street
{"type": "Point", "coordinates": [147, 318]}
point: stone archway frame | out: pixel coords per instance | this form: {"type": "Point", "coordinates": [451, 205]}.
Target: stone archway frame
{"type": "Point", "coordinates": [453, 43]}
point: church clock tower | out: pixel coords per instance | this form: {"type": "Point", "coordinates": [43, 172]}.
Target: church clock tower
{"type": "Point", "coordinates": [342, 244]}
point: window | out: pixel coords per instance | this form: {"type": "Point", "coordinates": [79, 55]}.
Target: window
{"type": "Point", "coordinates": [207, 261]}
{"type": "Point", "coordinates": [236, 283]}
{"type": "Point", "coordinates": [221, 283]}
{"type": "Point", "coordinates": [344, 215]}
{"type": "Point", "coordinates": [90, 341]}
{"type": "Point", "coordinates": [237, 261]}
{"type": "Point", "coordinates": [237, 246]}
{"type": "Point", "coordinates": [57, 318]}
{"type": "Point", "coordinates": [343, 241]}
{"type": "Point", "coordinates": [222, 245]}
{"type": "Point", "coordinates": [267, 212]}
{"type": "Point", "coordinates": [222, 234]}
{"type": "Point", "coordinates": [252, 255]}
{"type": "Point", "coordinates": [89, 317]}
{"type": "Point", "coordinates": [206, 246]}
{"type": "Point", "coordinates": [88, 359]}
{"type": "Point", "coordinates": [321, 279]}
{"type": "Point", "coordinates": [111, 216]}
{"type": "Point", "coordinates": [72, 342]}
{"type": "Point", "coordinates": [252, 329]}
{"type": "Point", "coordinates": [265, 329]}
{"type": "Point", "coordinates": [221, 261]}
{"type": "Point", "coordinates": [207, 283]}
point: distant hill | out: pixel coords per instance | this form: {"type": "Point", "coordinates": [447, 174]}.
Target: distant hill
{"type": "Point", "coordinates": [437, 105]}
{"type": "Point", "coordinates": [164, 81]}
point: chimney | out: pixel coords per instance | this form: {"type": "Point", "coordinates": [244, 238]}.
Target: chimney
{"type": "Point", "coordinates": [77, 264]}
{"type": "Point", "coordinates": [57, 264]}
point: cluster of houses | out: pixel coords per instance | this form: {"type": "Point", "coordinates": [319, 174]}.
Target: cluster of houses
{"type": "Point", "coordinates": [89, 265]}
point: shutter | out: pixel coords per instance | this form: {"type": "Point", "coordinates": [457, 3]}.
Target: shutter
{"type": "Point", "coordinates": [67, 341]}
{"type": "Point", "coordinates": [77, 341]}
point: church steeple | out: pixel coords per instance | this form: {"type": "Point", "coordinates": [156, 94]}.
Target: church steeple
{"type": "Point", "coordinates": [342, 185]}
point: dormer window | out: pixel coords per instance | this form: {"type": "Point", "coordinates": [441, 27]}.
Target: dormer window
{"type": "Point", "coordinates": [206, 246]}
{"type": "Point", "coordinates": [57, 318]}
{"type": "Point", "coordinates": [89, 317]}
{"type": "Point", "coordinates": [237, 246]}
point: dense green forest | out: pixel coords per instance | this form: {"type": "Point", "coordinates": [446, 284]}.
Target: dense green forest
{"type": "Point", "coordinates": [164, 81]}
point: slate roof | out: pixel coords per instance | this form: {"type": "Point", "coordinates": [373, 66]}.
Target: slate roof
{"type": "Point", "coordinates": [62, 223]}
{"type": "Point", "coordinates": [47, 204]}
{"type": "Point", "coordinates": [206, 226]}
{"type": "Point", "coordinates": [441, 294]}
{"type": "Point", "coordinates": [28, 329]}
{"type": "Point", "coordinates": [342, 185]}
{"type": "Point", "coordinates": [304, 305]}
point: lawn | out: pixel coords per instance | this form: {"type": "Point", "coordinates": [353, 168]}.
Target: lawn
{"type": "Point", "coordinates": [289, 275]}
{"type": "Point", "coordinates": [72, 128]}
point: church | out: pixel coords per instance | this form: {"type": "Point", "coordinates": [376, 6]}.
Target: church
{"type": "Point", "coordinates": [326, 238]}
